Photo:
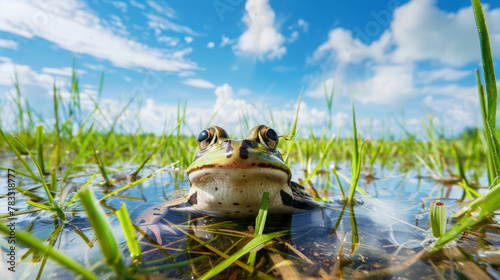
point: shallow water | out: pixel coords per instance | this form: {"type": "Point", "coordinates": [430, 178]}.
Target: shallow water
{"type": "Point", "coordinates": [391, 229]}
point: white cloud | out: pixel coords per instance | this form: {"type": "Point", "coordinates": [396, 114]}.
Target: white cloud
{"type": "Point", "coordinates": [419, 32]}
{"type": "Point", "coordinates": [162, 8]}
{"type": "Point", "coordinates": [226, 41]}
{"type": "Point", "coordinates": [8, 44]}
{"type": "Point", "coordinates": [304, 24]}
{"type": "Point", "coordinates": [317, 87]}
{"type": "Point", "coordinates": [307, 116]}
{"type": "Point", "coordinates": [169, 41]}
{"type": "Point", "coordinates": [301, 24]}
{"type": "Point", "coordinates": [342, 47]}
{"type": "Point", "coordinates": [120, 5]}
{"type": "Point", "coordinates": [65, 71]}
{"type": "Point", "coordinates": [388, 85]}
{"type": "Point", "coordinates": [261, 37]}
{"type": "Point", "coordinates": [424, 32]}
{"type": "Point", "coordinates": [137, 5]}
{"type": "Point", "coordinates": [71, 26]}
{"type": "Point", "coordinates": [210, 45]}
{"type": "Point", "coordinates": [160, 24]}
{"type": "Point", "coordinates": [200, 83]}
{"type": "Point", "coordinates": [293, 37]}
{"type": "Point", "coordinates": [244, 91]}
{"type": "Point", "coordinates": [93, 66]}
{"type": "Point", "coordinates": [25, 74]}
{"type": "Point", "coordinates": [443, 74]}
{"type": "Point", "coordinates": [456, 105]}
{"type": "Point", "coordinates": [340, 119]}
{"type": "Point", "coordinates": [188, 39]}
{"type": "Point", "coordinates": [229, 109]}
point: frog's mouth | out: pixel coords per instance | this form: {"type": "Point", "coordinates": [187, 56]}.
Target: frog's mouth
{"type": "Point", "coordinates": [237, 192]}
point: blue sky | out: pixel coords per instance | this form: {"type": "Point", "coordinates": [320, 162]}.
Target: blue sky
{"type": "Point", "coordinates": [238, 57]}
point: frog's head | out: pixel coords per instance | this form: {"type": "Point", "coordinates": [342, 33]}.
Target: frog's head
{"type": "Point", "coordinates": [228, 177]}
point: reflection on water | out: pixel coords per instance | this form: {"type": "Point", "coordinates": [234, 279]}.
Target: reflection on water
{"type": "Point", "coordinates": [387, 230]}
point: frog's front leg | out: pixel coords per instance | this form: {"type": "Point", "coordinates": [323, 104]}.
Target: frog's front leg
{"type": "Point", "coordinates": [151, 218]}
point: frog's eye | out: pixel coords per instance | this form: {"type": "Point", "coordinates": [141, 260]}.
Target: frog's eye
{"type": "Point", "coordinates": [268, 137]}
{"type": "Point", "coordinates": [206, 138]}
{"type": "Point", "coordinates": [203, 136]}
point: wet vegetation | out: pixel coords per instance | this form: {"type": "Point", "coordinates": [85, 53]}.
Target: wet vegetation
{"type": "Point", "coordinates": [415, 207]}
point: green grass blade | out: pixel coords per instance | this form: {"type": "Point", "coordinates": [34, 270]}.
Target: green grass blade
{"type": "Point", "coordinates": [135, 182]}
{"type": "Point", "coordinates": [354, 228]}
{"type": "Point", "coordinates": [82, 151]}
{"type": "Point", "coordinates": [355, 151]}
{"type": "Point", "coordinates": [489, 71]}
{"type": "Point", "coordinates": [33, 177]}
{"type": "Point", "coordinates": [128, 230]}
{"type": "Point", "coordinates": [101, 83]}
{"type": "Point", "coordinates": [459, 165]}
{"type": "Point", "coordinates": [329, 145]}
{"type": "Point", "coordinates": [136, 172]}
{"type": "Point", "coordinates": [355, 178]}
{"type": "Point", "coordinates": [41, 206]}
{"type": "Point", "coordinates": [80, 191]}
{"type": "Point", "coordinates": [437, 212]}
{"type": "Point", "coordinates": [102, 168]}
{"type": "Point", "coordinates": [338, 181]}
{"type": "Point", "coordinates": [103, 231]}
{"type": "Point", "coordinates": [38, 245]}
{"type": "Point", "coordinates": [377, 153]}
{"type": "Point", "coordinates": [260, 222]}
{"type": "Point", "coordinates": [477, 210]}
{"type": "Point", "coordinates": [255, 242]}
{"type": "Point", "coordinates": [294, 131]}
{"type": "Point", "coordinates": [46, 188]}
{"type": "Point", "coordinates": [19, 156]}
{"type": "Point", "coordinates": [493, 163]}
{"type": "Point", "coordinates": [29, 194]}
{"type": "Point", "coordinates": [39, 145]}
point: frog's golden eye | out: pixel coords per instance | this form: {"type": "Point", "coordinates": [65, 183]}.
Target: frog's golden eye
{"type": "Point", "coordinates": [205, 138]}
{"type": "Point", "coordinates": [268, 137]}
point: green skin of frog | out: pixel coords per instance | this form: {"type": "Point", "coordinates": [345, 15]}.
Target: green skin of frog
{"type": "Point", "coordinates": [228, 178]}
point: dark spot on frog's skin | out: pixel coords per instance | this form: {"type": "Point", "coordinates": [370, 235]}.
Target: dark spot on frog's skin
{"type": "Point", "coordinates": [142, 221]}
{"type": "Point", "coordinates": [156, 214]}
{"type": "Point", "coordinates": [236, 203]}
{"type": "Point", "coordinates": [244, 175]}
{"type": "Point", "coordinates": [229, 150]}
{"type": "Point", "coordinates": [250, 211]}
{"type": "Point", "coordinates": [237, 212]}
{"type": "Point", "coordinates": [193, 199]}
{"type": "Point", "coordinates": [245, 144]}
{"type": "Point", "coordinates": [248, 205]}
{"type": "Point", "coordinates": [253, 164]}
{"type": "Point", "coordinates": [220, 202]}
{"type": "Point", "coordinates": [216, 189]}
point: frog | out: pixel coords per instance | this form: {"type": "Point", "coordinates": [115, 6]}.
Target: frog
{"type": "Point", "coordinates": [228, 178]}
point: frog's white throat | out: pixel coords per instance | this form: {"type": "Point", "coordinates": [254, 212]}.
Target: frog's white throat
{"type": "Point", "coordinates": [238, 192]}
